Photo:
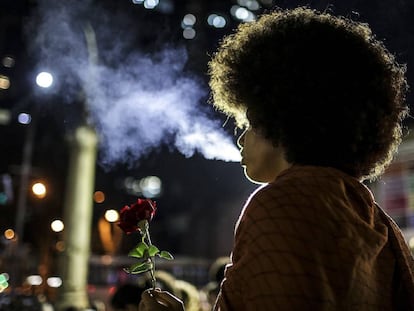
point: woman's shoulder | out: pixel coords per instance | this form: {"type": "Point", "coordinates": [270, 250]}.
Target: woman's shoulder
{"type": "Point", "coordinates": [305, 191]}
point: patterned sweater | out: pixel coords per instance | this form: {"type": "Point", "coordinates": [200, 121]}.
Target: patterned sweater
{"type": "Point", "coordinates": [315, 239]}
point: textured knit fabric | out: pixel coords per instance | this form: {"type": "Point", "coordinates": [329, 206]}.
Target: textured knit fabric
{"type": "Point", "coordinates": [314, 239]}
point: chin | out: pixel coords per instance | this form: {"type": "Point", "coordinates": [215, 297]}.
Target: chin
{"type": "Point", "coordinates": [254, 179]}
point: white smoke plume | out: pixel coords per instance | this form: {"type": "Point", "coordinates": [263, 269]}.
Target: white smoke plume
{"type": "Point", "coordinates": [137, 100]}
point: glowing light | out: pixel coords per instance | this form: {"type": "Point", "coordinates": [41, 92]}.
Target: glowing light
{"type": "Point", "coordinates": [112, 290]}
{"type": "Point", "coordinates": [219, 22]}
{"type": "Point", "coordinates": [135, 187]}
{"type": "Point", "coordinates": [60, 246]}
{"type": "Point", "coordinates": [8, 61]}
{"type": "Point", "coordinates": [99, 197]}
{"type": "Point", "coordinates": [44, 79]}
{"type": "Point", "coordinates": [216, 21]}
{"type": "Point", "coordinates": [151, 4]}
{"type": "Point", "coordinates": [111, 215]}
{"type": "Point", "coordinates": [210, 19]}
{"type": "Point", "coordinates": [4, 277]}
{"type": "Point", "coordinates": [150, 186]}
{"type": "Point", "coordinates": [34, 280]}
{"type": "Point", "coordinates": [39, 190]}
{"type": "Point", "coordinates": [24, 118]}
{"type": "Point", "coordinates": [189, 20]}
{"type": "Point", "coordinates": [189, 33]}
{"type": "Point", "coordinates": [57, 225]}
{"type": "Point", "coordinates": [137, 1]}
{"type": "Point", "coordinates": [54, 281]}
{"type": "Point", "coordinates": [253, 5]}
{"type": "Point", "coordinates": [5, 116]}
{"type": "Point", "coordinates": [9, 234]}
{"type": "Point", "coordinates": [4, 82]}
{"type": "Point", "coordinates": [242, 13]}
{"type": "Point", "coordinates": [411, 243]}
{"type": "Point", "coordinates": [250, 4]}
{"type": "Point", "coordinates": [128, 182]}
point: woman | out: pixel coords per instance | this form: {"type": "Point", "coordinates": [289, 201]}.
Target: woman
{"type": "Point", "coordinates": [322, 102]}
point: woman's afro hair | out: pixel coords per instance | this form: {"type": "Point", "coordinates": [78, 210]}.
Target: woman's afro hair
{"type": "Point", "coordinates": [322, 86]}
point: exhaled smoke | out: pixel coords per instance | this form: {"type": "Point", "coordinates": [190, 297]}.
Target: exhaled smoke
{"type": "Point", "coordinates": [138, 101]}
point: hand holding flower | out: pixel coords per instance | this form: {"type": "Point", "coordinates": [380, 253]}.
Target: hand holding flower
{"type": "Point", "coordinates": [136, 218]}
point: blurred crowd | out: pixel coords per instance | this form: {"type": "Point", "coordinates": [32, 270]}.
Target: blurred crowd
{"type": "Point", "coordinates": [127, 294]}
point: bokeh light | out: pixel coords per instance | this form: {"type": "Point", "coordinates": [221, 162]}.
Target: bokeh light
{"type": "Point", "coordinates": [44, 79]}
{"type": "Point", "coordinates": [4, 277]}
{"type": "Point", "coordinates": [99, 196]}
{"type": "Point", "coordinates": [9, 234]}
{"type": "Point", "coordinates": [250, 4]}
{"type": "Point", "coordinates": [60, 246]}
{"type": "Point", "coordinates": [111, 215]}
{"type": "Point", "coordinates": [242, 13]}
{"type": "Point", "coordinates": [5, 116]}
{"type": "Point", "coordinates": [39, 190]}
{"type": "Point", "coordinates": [4, 82]}
{"type": "Point", "coordinates": [216, 21]}
{"type": "Point", "coordinates": [54, 281]}
{"type": "Point", "coordinates": [24, 118]}
{"type": "Point", "coordinates": [8, 61]}
{"type": "Point", "coordinates": [189, 20]}
{"type": "Point", "coordinates": [34, 280]}
{"type": "Point", "coordinates": [151, 4]}
{"type": "Point", "coordinates": [151, 186]}
{"type": "Point", "coordinates": [411, 243]}
{"type": "Point", "coordinates": [57, 225]}
{"type": "Point", "coordinates": [189, 33]}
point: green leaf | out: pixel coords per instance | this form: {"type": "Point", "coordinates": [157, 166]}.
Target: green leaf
{"type": "Point", "coordinates": [153, 250]}
{"type": "Point", "coordinates": [139, 250]}
{"type": "Point", "coordinates": [139, 267]}
{"type": "Point", "coordinates": [166, 255]}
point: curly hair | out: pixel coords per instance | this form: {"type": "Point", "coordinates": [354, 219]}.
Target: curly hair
{"type": "Point", "coordinates": [320, 85]}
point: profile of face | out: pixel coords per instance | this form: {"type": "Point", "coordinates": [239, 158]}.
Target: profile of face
{"type": "Point", "coordinates": [262, 161]}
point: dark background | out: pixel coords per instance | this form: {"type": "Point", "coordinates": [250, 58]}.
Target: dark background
{"type": "Point", "coordinates": [201, 198]}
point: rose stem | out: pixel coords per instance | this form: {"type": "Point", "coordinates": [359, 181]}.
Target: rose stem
{"type": "Point", "coordinates": [153, 280]}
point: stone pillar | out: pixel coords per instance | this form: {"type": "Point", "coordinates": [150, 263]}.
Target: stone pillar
{"type": "Point", "coordinates": [78, 208]}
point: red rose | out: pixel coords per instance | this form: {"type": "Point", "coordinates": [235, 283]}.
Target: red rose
{"type": "Point", "coordinates": [130, 215]}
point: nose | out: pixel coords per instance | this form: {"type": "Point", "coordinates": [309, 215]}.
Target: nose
{"type": "Point", "coordinates": [240, 140]}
